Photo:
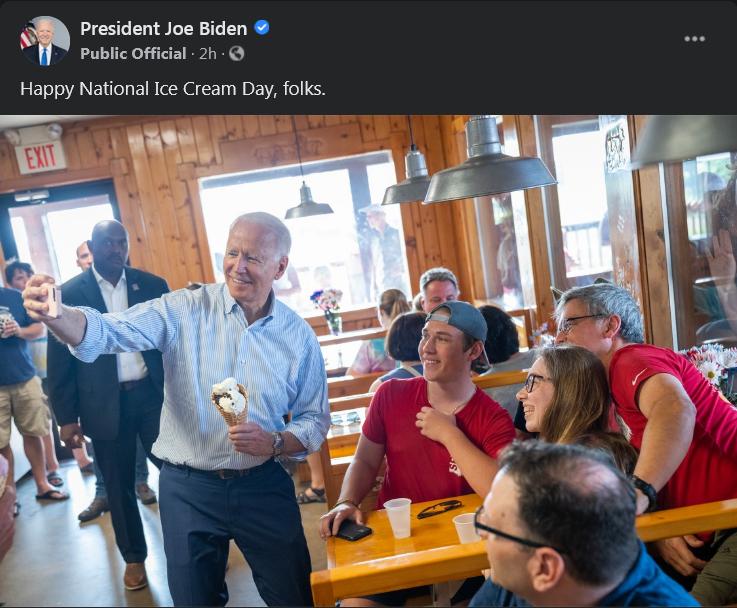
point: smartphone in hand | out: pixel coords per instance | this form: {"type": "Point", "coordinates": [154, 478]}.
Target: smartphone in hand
{"type": "Point", "coordinates": [54, 301]}
{"type": "Point", "coordinates": [350, 530]}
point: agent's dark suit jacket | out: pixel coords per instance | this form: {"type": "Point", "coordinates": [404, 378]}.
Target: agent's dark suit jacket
{"type": "Point", "coordinates": [89, 392]}
{"type": "Point", "coordinates": [57, 54]}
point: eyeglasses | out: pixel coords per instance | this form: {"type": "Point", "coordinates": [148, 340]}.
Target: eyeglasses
{"type": "Point", "coordinates": [437, 509]}
{"type": "Point", "coordinates": [567, 324]}
{"type": "Point", "coordinates": [522, 541]}
{"type": "Point", "coordinates": [531, 380]}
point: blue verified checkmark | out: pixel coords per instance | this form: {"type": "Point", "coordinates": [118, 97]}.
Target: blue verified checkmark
{"type": "Point", "coordinates": [261, 27]}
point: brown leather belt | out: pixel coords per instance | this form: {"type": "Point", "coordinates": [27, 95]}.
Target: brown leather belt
{"type": "Point", "coordinates": [223, 473]}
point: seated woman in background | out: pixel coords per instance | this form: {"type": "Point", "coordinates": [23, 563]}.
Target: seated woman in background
{"type": "Point", "coordinates": [402, 344]}
{"type": "Point", "coordinates": [566, 399]}
{"type": "Point", "coordinates": [372, 356]}
{"type": "Point", "coordinates": [502, 348]}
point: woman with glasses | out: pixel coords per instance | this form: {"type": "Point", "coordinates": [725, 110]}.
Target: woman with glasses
{"type": "Point", "coordinates": [566, 399]}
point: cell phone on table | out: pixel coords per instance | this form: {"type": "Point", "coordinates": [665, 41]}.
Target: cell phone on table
{"type": "Point", "coordinates": [350, 530]}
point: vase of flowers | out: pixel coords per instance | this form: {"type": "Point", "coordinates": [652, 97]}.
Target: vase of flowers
{"type": "Point", "coordinates": [718, 365]}
{"type": "Point", "coordinates": [328, 300]}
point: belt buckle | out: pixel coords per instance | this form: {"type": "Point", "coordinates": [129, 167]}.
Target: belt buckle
{"type": "Point", "coordinates": [226, 473]}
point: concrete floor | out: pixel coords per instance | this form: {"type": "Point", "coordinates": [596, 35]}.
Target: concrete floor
{"type": "Point", "coordinates": [56, 561]}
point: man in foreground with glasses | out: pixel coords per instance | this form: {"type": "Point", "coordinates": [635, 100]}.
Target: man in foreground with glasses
{"type": "Point", "coordinates": [559, 527]}
{"type": "Point", "coordinates": [685, 430]}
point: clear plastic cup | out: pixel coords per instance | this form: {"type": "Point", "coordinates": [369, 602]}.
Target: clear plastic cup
{"type": "Point", "coordinates": [397, 510]}
{"type": "Point", "coordinates": [465, 528]}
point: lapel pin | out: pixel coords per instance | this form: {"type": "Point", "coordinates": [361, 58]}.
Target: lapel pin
{"type": "Point", "coordinates": [135, 287]}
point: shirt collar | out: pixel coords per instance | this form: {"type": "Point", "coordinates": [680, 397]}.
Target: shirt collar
{"type": "Point", "coordinates": [230, 305]}
{"type": "Point", "coordinates": [100, 279]}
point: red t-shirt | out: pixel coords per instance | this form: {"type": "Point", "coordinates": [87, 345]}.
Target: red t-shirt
{"type": "Point", "coordinates": [417, 467]}
{"type": "Point", "coordinates": [709, 470]}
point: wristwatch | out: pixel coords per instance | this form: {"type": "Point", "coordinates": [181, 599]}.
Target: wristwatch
{"type": "Point", "coordinates": [278, 444]}
{"type": "Point", "coordinates": [648, 490]}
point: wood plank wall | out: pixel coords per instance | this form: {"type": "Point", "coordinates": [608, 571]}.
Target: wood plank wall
{"type": "Point", "coordinates": [154, 162]}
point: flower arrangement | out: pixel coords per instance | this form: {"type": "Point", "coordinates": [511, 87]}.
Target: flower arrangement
{"type": "Point", "coordinates": [328, 300]}
{"type": "Point", "coordinates": [718, 365]}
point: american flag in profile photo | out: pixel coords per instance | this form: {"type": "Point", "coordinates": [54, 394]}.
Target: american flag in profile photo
{"type": "Point", "coordinates": [28, 35]}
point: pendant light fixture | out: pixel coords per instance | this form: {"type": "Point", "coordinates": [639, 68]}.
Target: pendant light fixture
{"type": "Point", "coordinates": [307, 206]}
{"type": "Point", "coordinates": [486, 171]}
{"type": "Point", "coordinates": [414, 188]}
{"type": "Point", "coordinates": [674, 138]}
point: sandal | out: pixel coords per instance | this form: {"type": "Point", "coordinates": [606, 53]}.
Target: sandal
{"type": "Point", "coordinates": [52, 495]}
{"type": "Point", "coordinates": [304, 498]}
{"type": "Point", "coordinates": [55, 479]}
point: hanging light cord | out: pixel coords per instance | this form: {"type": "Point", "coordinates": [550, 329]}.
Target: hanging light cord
{"type": "Point", "coordinates": [412, 145]}
{"type": "Point", "coordinates": [296, 141]}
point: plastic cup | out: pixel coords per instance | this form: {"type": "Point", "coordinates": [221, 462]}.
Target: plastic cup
{"type": "Point", "coordinates": [398, 511]}
{"type": "Point", "coordinates": [465, 528]}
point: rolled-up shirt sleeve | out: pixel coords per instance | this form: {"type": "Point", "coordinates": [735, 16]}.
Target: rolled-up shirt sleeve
{"type": "Point", "coordinates": [145, 326]}
{"type": "Point", "coordinates": [310, 409]}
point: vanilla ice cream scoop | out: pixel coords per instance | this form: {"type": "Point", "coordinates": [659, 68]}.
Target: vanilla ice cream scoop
{"type": "Point", "coordinates": [231, 400]}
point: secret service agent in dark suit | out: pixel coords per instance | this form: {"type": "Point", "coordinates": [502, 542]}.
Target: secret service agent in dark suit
{"type": "Point", "coordinates": [93, 399]}
{"type": "Point", "coordinates": [32, 53]}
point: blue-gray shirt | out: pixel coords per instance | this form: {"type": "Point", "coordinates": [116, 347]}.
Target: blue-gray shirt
{"type": "Point", "coordinates": [204, 338]}
{"type": "Point", "coordinates": [645, 585]}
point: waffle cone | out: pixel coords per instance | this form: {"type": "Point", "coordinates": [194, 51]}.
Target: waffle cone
{"type": "Point", "coordinates": [230, 418]}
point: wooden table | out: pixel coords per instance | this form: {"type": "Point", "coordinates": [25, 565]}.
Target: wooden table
{"type": "Point", "coordinates": [352, 336]}
{"type": "Point", "coordinates": [432, 554]}
{"type": "Point", "coordinates": [381, 550]}
{"type": "Point", "coordinates": [428, 533]}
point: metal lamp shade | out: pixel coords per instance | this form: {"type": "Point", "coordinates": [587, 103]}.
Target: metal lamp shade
{"type": "Point", "coordinates": [307, 206]}
{"type": "Point", "coordinates": [486, 171]}
{"type": "Point", "coordinates": [674, 138]}
{"type": "Point", "coordinates": [414, 188]}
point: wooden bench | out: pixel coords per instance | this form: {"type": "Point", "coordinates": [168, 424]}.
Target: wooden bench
{"type": "Point", "coordinates": [458, 561]}
{"type": "Point", "coordinates": [351, 385]}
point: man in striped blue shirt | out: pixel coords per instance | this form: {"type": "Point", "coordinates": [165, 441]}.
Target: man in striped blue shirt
{"type": "Point", "coordinates": [217, 483]}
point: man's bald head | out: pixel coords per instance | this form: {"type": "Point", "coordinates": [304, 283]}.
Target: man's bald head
{"type": "Point", "coordinates": [109, 247]}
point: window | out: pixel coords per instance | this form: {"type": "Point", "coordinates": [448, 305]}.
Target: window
{"type": "Point", "coordinates": [358, 253]}
{"type": "Point", "coordinates": [700, 198]}
{"type": "Point", "coordinates": [47, 234]}
{"type": "Point", "coordinates": [576, 209]}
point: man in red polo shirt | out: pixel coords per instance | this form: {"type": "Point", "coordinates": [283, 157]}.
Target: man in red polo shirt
{"type": "Point", "coordinates": [439, 432]}
{"type": "Point", "coordinates": [685, 430]}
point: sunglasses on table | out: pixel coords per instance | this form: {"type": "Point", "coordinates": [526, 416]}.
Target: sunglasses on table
{"type": "Point", "coordinates": [437, 509]}
{"type": "Point", "coordinates": [517, 539]}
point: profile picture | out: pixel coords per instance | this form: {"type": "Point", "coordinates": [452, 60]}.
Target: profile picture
{"type": "Point", "coordinates": [44, 40]}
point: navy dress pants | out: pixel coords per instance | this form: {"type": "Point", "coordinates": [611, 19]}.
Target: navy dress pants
{"type": "Point", "coordinates": [140, 411]}
{"type": "Point", "coordinates": [200, 513]}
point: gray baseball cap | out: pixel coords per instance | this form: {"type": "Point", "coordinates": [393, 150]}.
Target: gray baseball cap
{"type": "Point", "coordinates": [463, 316]}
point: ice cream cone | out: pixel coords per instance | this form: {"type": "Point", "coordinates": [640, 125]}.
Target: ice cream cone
{"type": "Point", "coordinates": [230, 418]}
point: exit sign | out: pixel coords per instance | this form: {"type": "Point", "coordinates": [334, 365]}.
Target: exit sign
{"type": "Point", "coordinates": [44, 156]}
